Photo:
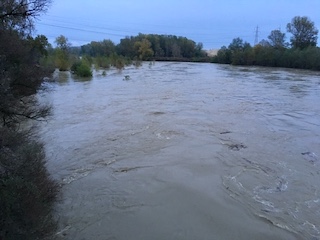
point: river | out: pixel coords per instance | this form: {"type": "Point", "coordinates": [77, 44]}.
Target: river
{"type": "Point", "coordinates": [186, 151]}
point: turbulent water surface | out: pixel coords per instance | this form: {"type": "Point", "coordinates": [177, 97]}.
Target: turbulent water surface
{"type": "Point", "coordinates": [186, 151]}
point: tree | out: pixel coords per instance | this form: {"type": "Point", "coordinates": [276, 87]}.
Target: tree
{"type": "Point", "coordinates": [26, 192]}
{"type": "Point", "coordinates": [19, 15]}
{"type": "Point", "coordinates": [62, 43]}
{"type": "Point", "coordinates": [264, 43]}
{"type": "Point", "coordinates": [176, 50]}
{"type": "Point", "coordinates": [154, 39]}
{"type": "Point", "coordinates": [20, 77]}
{"type": "Point", "coordinates": [144, 49]}
{"type": "Point", "coordinates": [199, 52]}
{"type": "Point", "coordinates": [277, 39]}
{"type": "Point", "coordinates": [62, 58]}
{"type": "Point", "coordinates": [98, 49]}
{"type": "Point", "coordinates": [237, 44]}
{"type": "Point", "coordinates": [304, 33]}
{"type": "Point", "coordinates": [188, 47]}
{"type": "Point", "coordinates": [108, 47]}
{"type": "Point", "coordinates": [224, 55]}
{"type": "Point", "coordinates": [239, 50]}
{"type": "Point", "coordinates": [20, 72]}
{"type": "Point", "coordinates": [126, 47]}
{"type": "Point", "coordinates": [40, 45]}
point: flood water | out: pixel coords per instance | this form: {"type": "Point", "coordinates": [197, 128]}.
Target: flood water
{"type": "Point", "coordinates": [186, 151]}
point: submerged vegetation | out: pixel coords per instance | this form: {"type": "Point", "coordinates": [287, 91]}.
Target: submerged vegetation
{"type": "Point", "coordinates": [27, 193]}
{"type": "Point", "coordinates": [81, 68]}
{"type": "Point", "coordinates": [301, 52]}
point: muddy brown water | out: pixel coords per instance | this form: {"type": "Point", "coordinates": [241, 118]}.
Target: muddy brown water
{"type": "Point", "coordinates": [186, 151]}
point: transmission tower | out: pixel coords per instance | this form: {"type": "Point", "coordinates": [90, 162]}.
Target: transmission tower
{"type": "Point", "coordinates": [256, 38]}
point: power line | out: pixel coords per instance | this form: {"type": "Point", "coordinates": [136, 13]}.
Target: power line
{"type": "Point", "coordinates": [196, 32]}
{"type": "Point", "coordinates": [256, 38]}
{"type": "Point", "coordinates": [79, 29]}
{"type": "Point", "coordinates": [132, 32]}
{"type": "Point", "coordinates": [214, 37]}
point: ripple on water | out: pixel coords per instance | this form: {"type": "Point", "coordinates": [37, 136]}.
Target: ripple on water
{"type": "Point", "coordinates": [261, 124]}
{"type": "Point", "coordinates": [280, 195]}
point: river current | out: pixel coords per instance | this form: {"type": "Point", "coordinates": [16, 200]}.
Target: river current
{"type": "Point", "coordinates": [186, 151]}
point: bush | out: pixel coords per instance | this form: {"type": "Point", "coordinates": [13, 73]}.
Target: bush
{"type": "Point", "coordinates": [81, 68]}
{"type": "Point", "coordinates": [102, 62]}
{"type": "Point", "coordinates": [75, 66]}
{"type": "Point", "coordinates": [62, 61]}
{"type": "Point", "coordinates": [119, 63]}
{"type": "Point", "coordinates": [27, 193]}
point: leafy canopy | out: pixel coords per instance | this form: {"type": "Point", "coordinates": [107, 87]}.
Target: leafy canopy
{"type": "Point", "coordinates": [304, 33]}
{"type": "Point", "coordinates": [277, 39]}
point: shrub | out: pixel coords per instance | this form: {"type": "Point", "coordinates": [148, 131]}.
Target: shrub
{"type": "Point", "coordinates": [27, 193]}
{"type": "Point", "coordinates": [84, 71]}
{"type": "Point", "coordinates": [75, 66]}
{"type": "Point", "coordinates": [120, 63]}
{"type": "Point", "coordinates": [62, 61]}
{"type": "Point", "coordinates": [103, 62]}
{"type": "Point", "coordinates": [81, 68]}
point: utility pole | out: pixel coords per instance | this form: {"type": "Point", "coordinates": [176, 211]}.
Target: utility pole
{"type": "Point", "coordinates": [256, 38]}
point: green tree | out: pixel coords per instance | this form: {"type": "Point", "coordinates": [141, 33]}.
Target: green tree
{"type": "Point", "coordinates": [126, 47]}
{"type": "Point", "coordinates": [108, 47]}
{"type": "Point", "coordinates": [304, 33]}
{"type": "Point", "coordinates": [62, 56]}
{"type": "Point", "coordinates": [98, 49]}
{"type": "Point", "coordinates": [277, 39]}
{"type": "Point", "coordinates": [176, 50]}
{"type": "Point", "coordinates": [240, 50]}
{"type": "Point", "coordinates": [21, 75]}
{"type": "Point", "coordinates": [188, 47]}
{"type": "Point", "coordinates": [224, 55]}
{"type": "Point", "coordinates": [264, 43]}
{"type": "Point", "coordinates": [237, 44]}
{"type": "Point", "coordinates": [62, 43]}
{"type": "Point", "coordinates": [199, 52]}
{"type": "Point", "coordinates": [154, 39]}
{"type": "Point", "coordinates": [161, 47]}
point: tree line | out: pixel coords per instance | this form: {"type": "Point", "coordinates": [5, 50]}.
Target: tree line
{"type": "Point", "coordinates": [133, 49]}
{"type": "Point", "coordinates": [301, 52]}
{"type": "Point", "coordinates": [148, 47]}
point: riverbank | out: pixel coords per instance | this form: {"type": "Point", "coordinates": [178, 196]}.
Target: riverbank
{"type": "Point", "coordinates": [27, 192]}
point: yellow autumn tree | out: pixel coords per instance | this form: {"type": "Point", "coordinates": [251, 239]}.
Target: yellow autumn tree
{"type": "Point", "coordinates": [144, 49]}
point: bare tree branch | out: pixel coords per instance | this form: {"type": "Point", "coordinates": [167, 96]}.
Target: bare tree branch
{"type": "Point", "coordinates": [20, 14]}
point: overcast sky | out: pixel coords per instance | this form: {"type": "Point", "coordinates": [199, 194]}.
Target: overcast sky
{"type": "Point", "coordinates": [213, 22]}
